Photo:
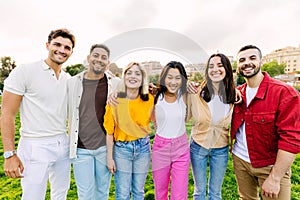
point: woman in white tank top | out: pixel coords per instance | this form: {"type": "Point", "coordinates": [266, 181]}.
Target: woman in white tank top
{"type": "Point", "coordinates": [171, 155]}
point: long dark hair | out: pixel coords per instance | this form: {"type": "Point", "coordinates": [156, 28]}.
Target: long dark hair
{"type": "Point", "coordinates": [226, 88]}
{"type": "Point", "coordinates": [161, 81]}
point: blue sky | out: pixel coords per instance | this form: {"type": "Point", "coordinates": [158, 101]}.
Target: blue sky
{"type": "Point", "coordinates": [215, 25]}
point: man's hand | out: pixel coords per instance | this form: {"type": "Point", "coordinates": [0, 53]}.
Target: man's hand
{"type": "Point", "coordinates": [271, 187]}
{"type": "Point", "coordinates": [13, 167]}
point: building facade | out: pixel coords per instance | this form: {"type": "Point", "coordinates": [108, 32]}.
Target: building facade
{"type": "Point", "coordinates": [290, 56]}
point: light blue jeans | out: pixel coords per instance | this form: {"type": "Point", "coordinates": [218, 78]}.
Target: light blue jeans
{"type": "Point", "coordinates": [132, 161]}
{"type": "Point", "coordinates": [217, 159]}
{"type": "Point", "coordinates": [91, 174]}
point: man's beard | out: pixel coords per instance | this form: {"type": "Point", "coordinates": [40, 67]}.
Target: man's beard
{"type": "Point", "coordinates": [256, 70]}
{"type": "Point", "coordinates": [98, 72]}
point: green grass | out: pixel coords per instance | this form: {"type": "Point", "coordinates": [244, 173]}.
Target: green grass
{"type": "Point", "coordinates": [11, 189]}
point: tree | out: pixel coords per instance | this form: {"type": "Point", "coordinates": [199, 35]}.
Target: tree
{"type": "Point", "coordinates": [154, 79]}
{"type": "Point", "coordinates": [75, 69]}
{"type": "Point", "coordinates": [7, 65]}
{"type": "Point", "coordinates": [273, 68]}
{"type": "Point", "coordinates": [197, 77]}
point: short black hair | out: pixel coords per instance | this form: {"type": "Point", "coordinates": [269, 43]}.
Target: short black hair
{"type": "Point", "coordinates": [102, 46]}
{"type": "Point", "coordinates": [244, 48]}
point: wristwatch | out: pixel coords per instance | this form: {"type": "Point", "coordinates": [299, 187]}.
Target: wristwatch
{"type": "Point", "coordinates": [8, 154]}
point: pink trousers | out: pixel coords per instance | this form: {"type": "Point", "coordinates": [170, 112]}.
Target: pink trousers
{"type": "Point", "coordinates": [170, 162]}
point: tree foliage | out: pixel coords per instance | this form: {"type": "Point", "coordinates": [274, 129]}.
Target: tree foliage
{"type": "Point", "coordinates": [197, 77]}
{"type": "Point", "coordinates": [154, 79]}
{"type": "Point", "coordinates": [75, 69]}
{"type": "Point", "coordinates": [273, 68]}
{"type": "Point", "coordinates": [7, 65]}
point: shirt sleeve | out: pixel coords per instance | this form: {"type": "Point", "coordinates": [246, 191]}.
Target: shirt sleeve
{"type": "Point", "coordinates": [16, 81]}
{"type": "Point", "coordinates": [109, 123]}
{"type": "Point", "coordinates": [288, 121]}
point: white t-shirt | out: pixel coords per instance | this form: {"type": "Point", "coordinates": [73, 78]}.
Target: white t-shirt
{"type": "Point", "coordinates": [43, 109]}
{"type": "Point", "coordinates": [240, 148]}
{"type": "Point", "coordinates": [170, 117]}
{"type": "Point", "coordinates": [218, 109]}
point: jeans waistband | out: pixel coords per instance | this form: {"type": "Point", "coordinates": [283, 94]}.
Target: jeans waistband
{"type": "Point", "coordinates": [177, 139]}
{"type": "Point", "coordinates": [140, 140]}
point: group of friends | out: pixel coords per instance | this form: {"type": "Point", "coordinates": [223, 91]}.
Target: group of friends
{"type": "Point", "coordinates": [108, 126]}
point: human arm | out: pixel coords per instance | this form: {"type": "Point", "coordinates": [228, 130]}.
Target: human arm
{"type": "Point", "coordinates": [153, 118]}
{"type": "Point", "coordinates": [238, 97]}
{"type": "Point", "coordinates": [112, 99]}
{"type": "Point", "coordinates": [13, 166]}
{"type": "Point", "coordinates": [152, 89]}
{"type": "Point", "coordinates": [288, 128]}
{"type": "Point", "coordinates": [109, 156]}
{"type": "Point", "coordinates": [109, 127]}
{"type": "Point", "coordinates": [188, 103]}
{"type": "Point", "coordinates": [271, 186]}
{"type": "Point", "coordinates": [193, 87]}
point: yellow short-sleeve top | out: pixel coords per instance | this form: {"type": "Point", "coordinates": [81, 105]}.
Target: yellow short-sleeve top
{"type": "Point", "coordinates": [130, 119]}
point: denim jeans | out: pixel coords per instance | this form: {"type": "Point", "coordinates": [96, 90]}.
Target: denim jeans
{"type": "Point", "coordinates": [218, 159]}
{"type": "Point", "coordinates": [91, 174]}
{"type": "Point", "coordinates": [132, 161]}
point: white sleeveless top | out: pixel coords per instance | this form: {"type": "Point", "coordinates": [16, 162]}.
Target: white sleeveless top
{"type": "Point", "coordinates": [170, 118]}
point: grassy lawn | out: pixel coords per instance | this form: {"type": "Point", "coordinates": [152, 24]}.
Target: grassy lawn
{"type": "Point", "coordinates": [11, 189]}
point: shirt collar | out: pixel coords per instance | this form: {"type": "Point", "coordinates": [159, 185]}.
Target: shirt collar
{"type": "Point", "coordinates": [262, 89]}
{"type": "Point", "coordinates": [45, 66]}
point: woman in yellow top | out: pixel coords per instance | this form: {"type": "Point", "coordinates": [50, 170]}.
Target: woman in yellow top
{"type": "Point", "coordinates": [211, 111]}
{"type": "Point", "coordinates": [128, 125]}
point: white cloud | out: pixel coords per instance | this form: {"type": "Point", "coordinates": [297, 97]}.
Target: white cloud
{"type": "Point", "coordinates": [215, 25]}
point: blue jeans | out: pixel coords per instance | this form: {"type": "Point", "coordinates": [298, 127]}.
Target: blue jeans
{"type": "Point", "coordinates": [132, 161]}
{"type": "Point", "coordinates": [91, 174]}
{"type": "Point", "coordinates": [218, 159]}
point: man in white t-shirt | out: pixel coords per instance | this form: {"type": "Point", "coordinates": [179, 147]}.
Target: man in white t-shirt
{"type": "Point", "coordinates": [39, 89]}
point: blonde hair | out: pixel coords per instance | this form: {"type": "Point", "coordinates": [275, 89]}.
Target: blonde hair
{"type": "Point", "coordinates": [144, 88]}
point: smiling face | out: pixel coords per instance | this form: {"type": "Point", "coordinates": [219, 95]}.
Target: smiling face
{"type": "Point", "coordinates": [133, 77]}
{"type": "Point", "coordinates": [98, 60]}
{"type": "Point", "coordinates": [248, 62]}
{"type": "Point", "coordinates": [60, 49]}
{"type": "Point", "coordinates": [216, 71]}
{"type": "Point", "coordinates": [173, 81]}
